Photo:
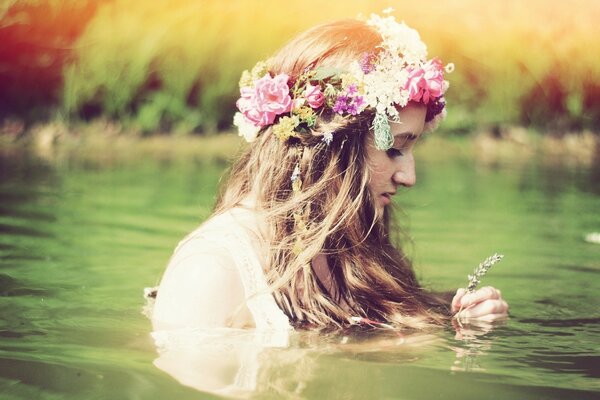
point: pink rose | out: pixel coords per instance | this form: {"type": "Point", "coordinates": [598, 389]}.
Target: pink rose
{"type": "Point", "coordinates": [268, 98]}
{"type": "Point", "coordinates": [247, 106]}
{"type": "Point", "coordinates": [426, 83]}
{"type": "Point", "coordinates": [313, 95]}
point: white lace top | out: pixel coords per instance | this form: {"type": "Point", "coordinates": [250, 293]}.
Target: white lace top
{"type": "Point", "coordinates": [229, 243]}
{"type": "Point", "coordinates": [236, 234]}
{"type": "Point", "coordinates": [233, 235]}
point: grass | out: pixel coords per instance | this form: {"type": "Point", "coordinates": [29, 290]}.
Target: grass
{"type": "Point", "coordinates": [174, 65]}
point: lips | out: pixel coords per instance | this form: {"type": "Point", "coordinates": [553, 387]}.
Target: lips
{"type": "Point", "coordinates": [387, 198]}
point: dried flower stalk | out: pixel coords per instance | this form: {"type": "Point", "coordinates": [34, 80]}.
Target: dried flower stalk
{"type": "Point", "coordinates": [481, 270]}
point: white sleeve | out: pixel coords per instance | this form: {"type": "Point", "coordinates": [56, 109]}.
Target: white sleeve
{"type": "Point", "coordinates": [201, 288]}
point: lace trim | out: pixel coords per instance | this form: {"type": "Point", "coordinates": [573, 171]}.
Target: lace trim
{"type": "Point", "coordinates": [259, 299]}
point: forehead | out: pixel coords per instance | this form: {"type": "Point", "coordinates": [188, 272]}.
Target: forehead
{"type": "Point", "coordinates": [412, 120]}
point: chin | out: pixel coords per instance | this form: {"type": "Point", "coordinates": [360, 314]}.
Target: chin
{"type": "Point", "coordinates": [379, 211]}
{"type": "Point", "coordinates": [377, 207]}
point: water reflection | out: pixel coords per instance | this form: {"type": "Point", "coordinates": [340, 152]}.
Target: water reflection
{"type": "Point", "coordinates": [473, 343]}
{"type": "Point", "coordinates": [240, 363]}
{"type": "Point", "coordinates": [221, 361]}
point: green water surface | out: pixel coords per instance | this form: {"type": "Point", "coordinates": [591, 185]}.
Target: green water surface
{"type": "Point", "coordinates": [80, 241]}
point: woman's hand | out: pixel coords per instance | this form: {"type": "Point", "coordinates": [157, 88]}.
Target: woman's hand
{"type": "Point", "coordinates": [484, 304]}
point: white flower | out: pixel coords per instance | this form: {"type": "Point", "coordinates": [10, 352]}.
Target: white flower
{"type": "Point", "coordinates": [245, 128]}
{"type": "Point", "coordinates": [295, 173]}
{"type": "Point", "coordinates": [383, 87]}
{"type": "Point", "coordinates": [399, 38]}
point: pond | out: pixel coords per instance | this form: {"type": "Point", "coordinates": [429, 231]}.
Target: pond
{"type": "Point", "coordinates": [80, 241]}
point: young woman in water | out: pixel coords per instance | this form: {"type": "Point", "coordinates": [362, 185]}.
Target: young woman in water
{"type": "Point", "coordinates": [300, 235]}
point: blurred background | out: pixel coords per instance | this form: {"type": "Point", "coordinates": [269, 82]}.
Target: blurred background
{"type": "Point", "coordinates": [116, 126]}
{"type": "Point", "coordinates": [173, 66]}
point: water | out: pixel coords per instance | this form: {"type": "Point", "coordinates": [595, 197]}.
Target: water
{"type": "Point", "coordinates": [80, 241]}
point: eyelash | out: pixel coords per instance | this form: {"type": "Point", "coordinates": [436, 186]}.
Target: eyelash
{"type": "Point", "coordinates": [394, 153]}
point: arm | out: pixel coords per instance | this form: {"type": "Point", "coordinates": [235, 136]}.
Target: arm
{"type": "Point", "coordinates": [200, 289]}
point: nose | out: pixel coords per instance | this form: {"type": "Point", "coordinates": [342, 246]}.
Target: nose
{"type": "Point", "coordinates": [405, 173]}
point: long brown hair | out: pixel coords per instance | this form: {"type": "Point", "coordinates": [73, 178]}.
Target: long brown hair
{"type": "Point", "coordinates": [371, 277]}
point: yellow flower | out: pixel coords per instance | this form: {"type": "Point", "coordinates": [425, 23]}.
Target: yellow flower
{"type": "Point", "coordinates": [300, 223]}
{"type": "Point", "coordinates": [298, 247]}
{"type": "Point", "coordinates": [258, 71]}
{"type": "Point", "coordinates": [306, 114]}
{"type": "Point", "coordinates": [297, 185]}
{"type": "Point", "coordinates": [350, 79]}
{"type": "Point", "coordinates": [285, 128]}
{"type": "Point", "coordinates": [246, 79]}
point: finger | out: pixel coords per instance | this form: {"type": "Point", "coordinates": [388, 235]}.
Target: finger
{"type": "Point", "coordinates": [480, 295]}
{"type": "Point", "coordinates": [490, 306]}
{"type": "Point", "coordinates": [456, 299]}
{"type": "Point", "coordinates": [485, 308]}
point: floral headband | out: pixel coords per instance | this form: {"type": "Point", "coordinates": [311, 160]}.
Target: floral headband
{"type": "Point", "coordinates": [380, 81]}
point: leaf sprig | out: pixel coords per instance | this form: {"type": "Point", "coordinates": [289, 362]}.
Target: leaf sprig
{"type": "Point", "coordinates": [481, 270]}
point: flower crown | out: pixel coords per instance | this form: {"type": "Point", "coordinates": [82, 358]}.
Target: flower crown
{"type": "Point", "coordinates": [381, 81]}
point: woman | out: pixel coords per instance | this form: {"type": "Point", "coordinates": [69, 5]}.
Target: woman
{"type": "Point", "coordinates": [301, 232]}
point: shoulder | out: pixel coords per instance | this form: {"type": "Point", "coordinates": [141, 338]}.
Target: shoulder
{"type": "Point", "coordinates": [201, 287]}
{"type": "Point", "coordinates": [206, 279]}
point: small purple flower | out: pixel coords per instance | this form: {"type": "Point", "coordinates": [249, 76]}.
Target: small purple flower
{"type": "Point", "coordinates": [367, 63]}
{"type": "Point", "coordinates": [340, 104]}
{"type": "Point", "coordinates": [352, 90]}
{"type": "Point", "coordinates": [349, 102]}
{"type": "Point", "coordinates": [356, 105]}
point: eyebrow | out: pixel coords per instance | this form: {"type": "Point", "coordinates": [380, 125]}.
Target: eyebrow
{"type": "Point", "coordinates": [405, 136]}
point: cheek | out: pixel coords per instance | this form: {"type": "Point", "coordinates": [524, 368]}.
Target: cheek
{"type": "Point", "coordinates": [378, 169]}
{"type": "Point", "coordinates": [377, 175]}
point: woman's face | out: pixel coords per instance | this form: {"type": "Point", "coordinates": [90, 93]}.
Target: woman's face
{"type": "Point", "coordinates": [396, 166]}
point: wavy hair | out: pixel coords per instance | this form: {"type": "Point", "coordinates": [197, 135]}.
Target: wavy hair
{"type": "Point", "coordinates": [366, 275]}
